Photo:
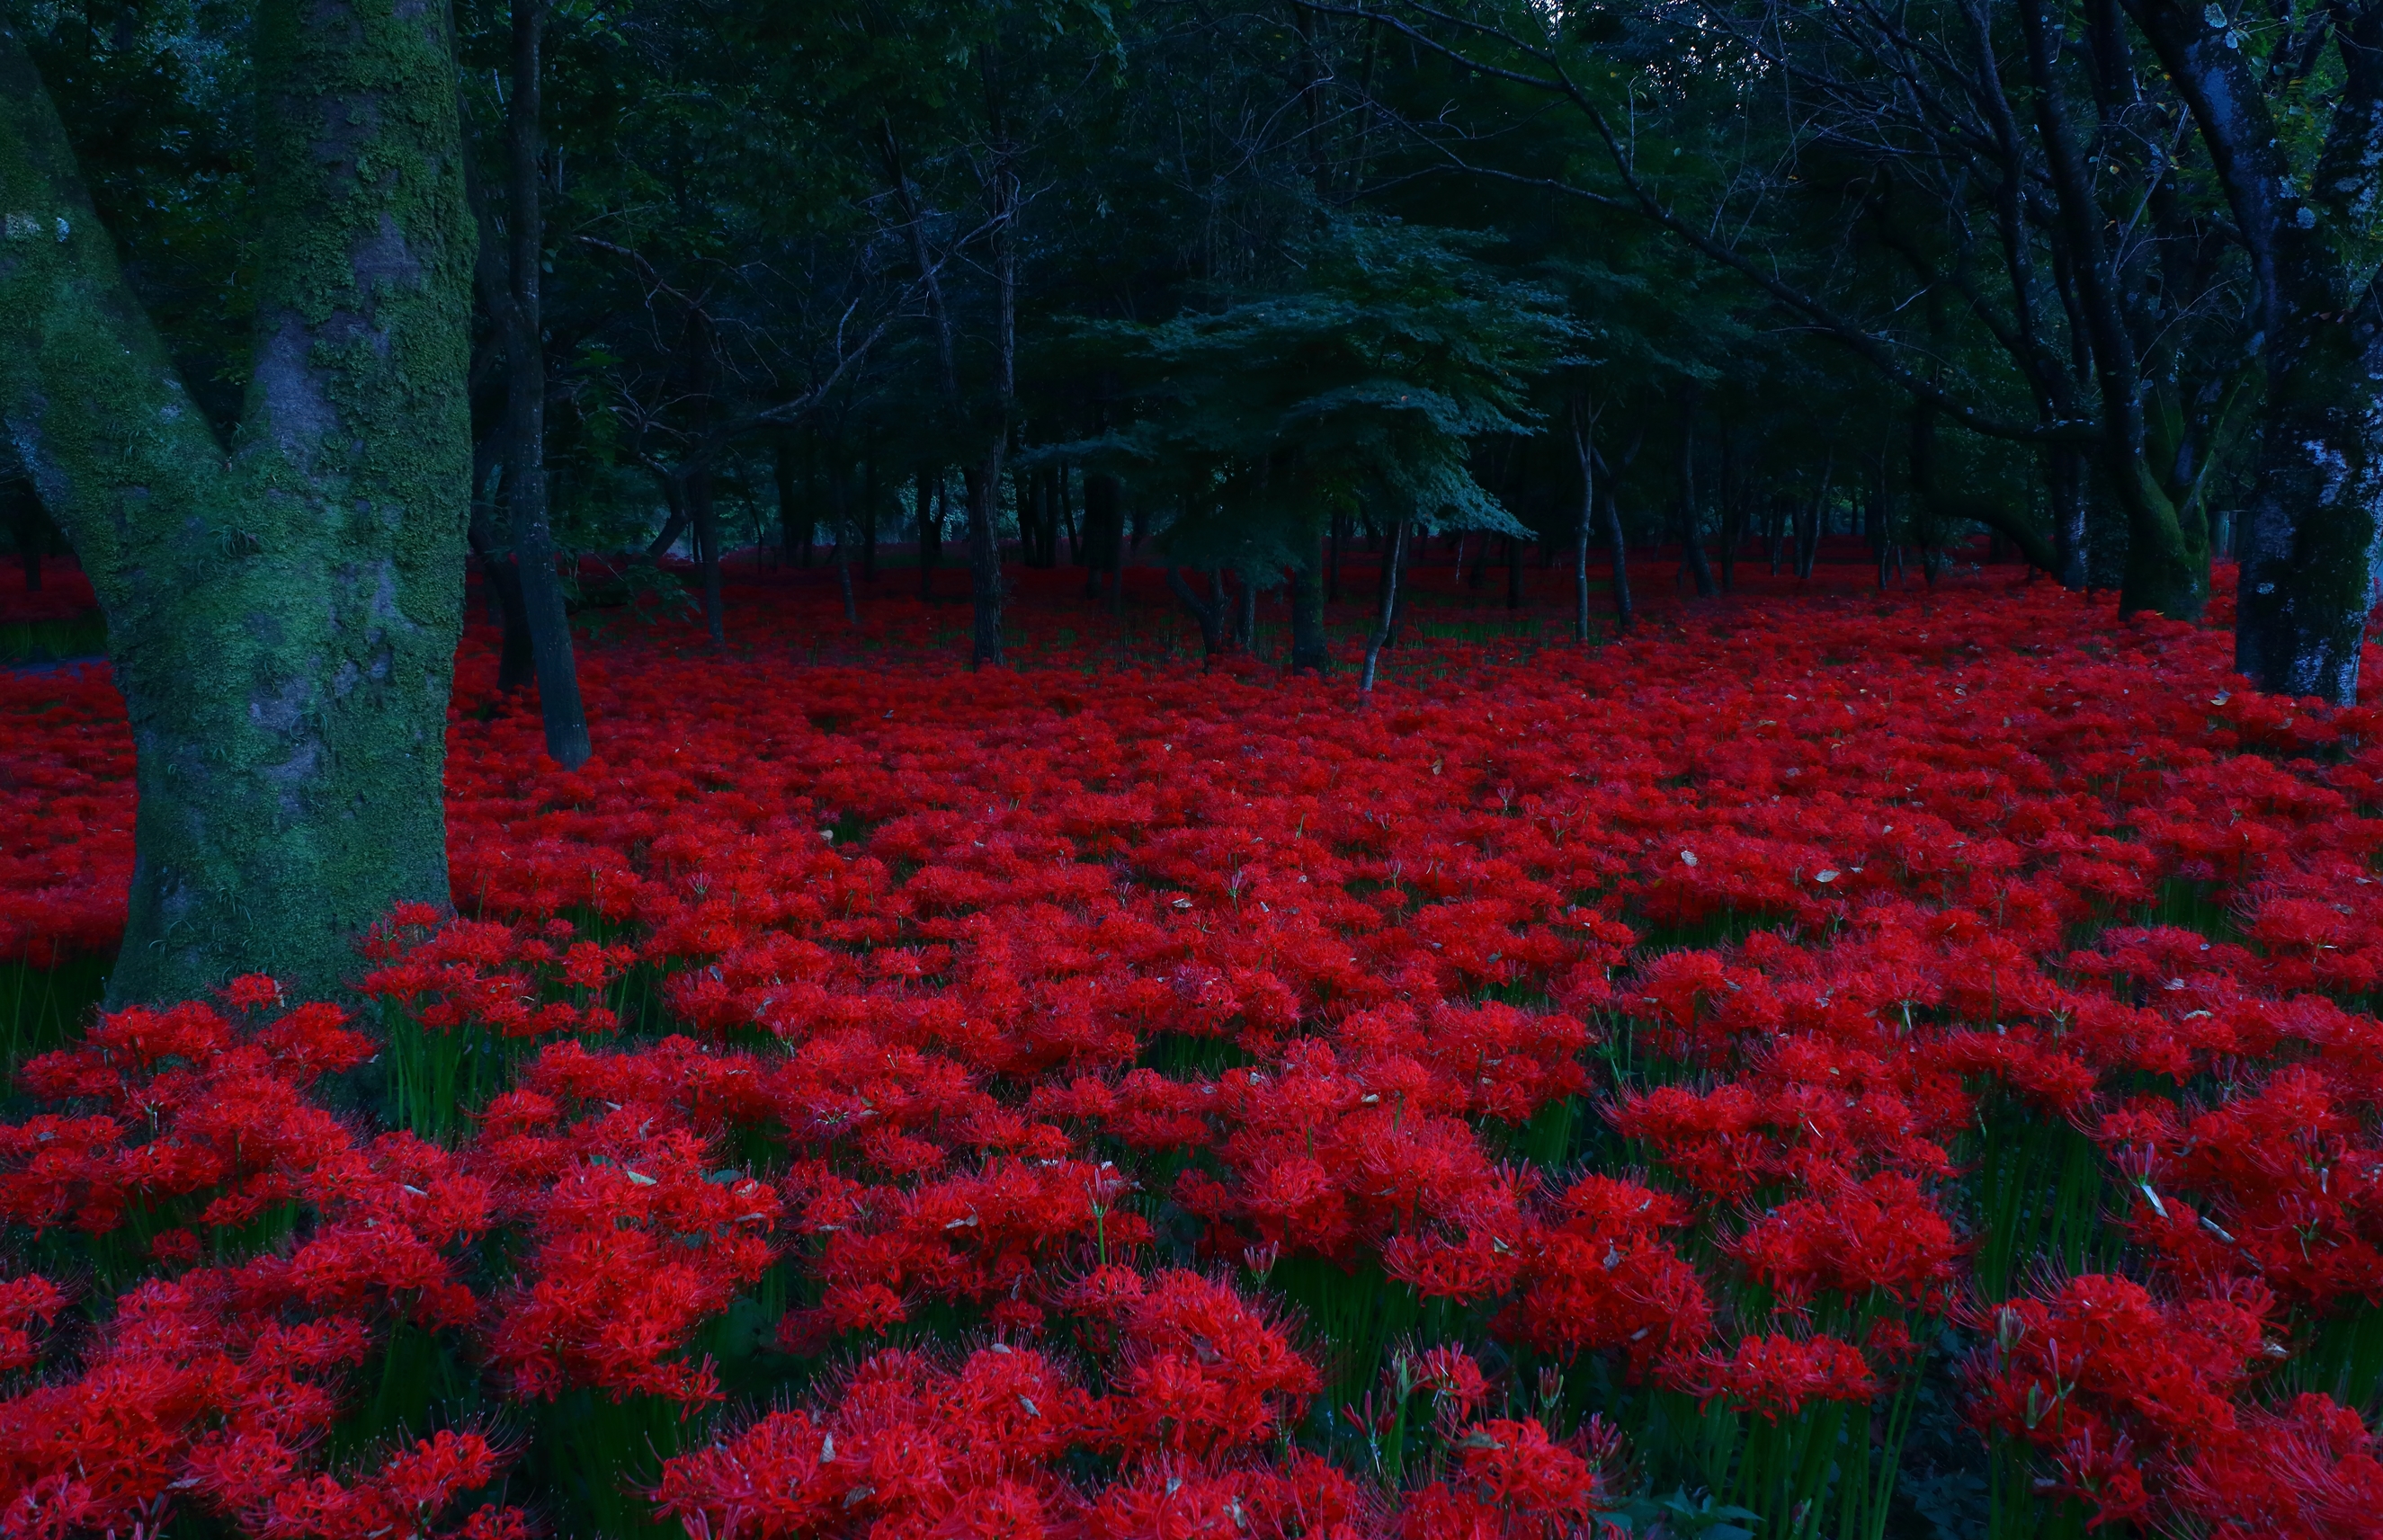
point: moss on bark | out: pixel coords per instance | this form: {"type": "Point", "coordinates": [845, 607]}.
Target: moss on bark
{"type": "Point", "coordinates": [282, 614]}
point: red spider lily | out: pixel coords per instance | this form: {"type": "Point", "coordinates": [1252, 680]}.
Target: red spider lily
{"type": "Point", "coordinates": [1775, 1376]}
{"type": "Point", "coordinates": [1128, 970]}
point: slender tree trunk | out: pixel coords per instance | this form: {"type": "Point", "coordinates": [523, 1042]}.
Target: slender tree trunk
{"type": "Point", "coordinates": [1623, 614]}
{"type": "Point", "coordinates": [526, 481]}
{"type": "Point", "coordinates": [782, 469]}
{"type": "Point", "coordinates": [1332, 563]}
{"type": "Point", "coordinates": [1728, 500]}
{"type": "Point", "coordinates": [1386, 621]}
{"type": "Point", "coordinates": [702, 513]}
{"type": "Point", "coordinates": [983, 483]}
{"type": "Point", "coordinates": [282, 619]}
{"type": "Point", "coordinates": [1513, 573]}
{"type": "Point", "coordinates": [1583, 426]}
{"type": "Point", "coordinates": [930, 513]}
{"type": "Point", "coordinates": [705, 518]}
{"type": "Point", "coordinates": [1816, 526]}
{"type": "Point", "coordinates": [1692, 544]}
{"type": "Point", "coordinates": [1310, 651]}
{"type": "Point", "coordinates": [869, 518]}
{"type": "Point", "coordinates": [1104, 528]}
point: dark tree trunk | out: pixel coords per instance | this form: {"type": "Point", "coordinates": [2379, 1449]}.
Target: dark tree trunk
{"type": "Point", "coordinates": [705, 519]}
{"type": "Point", "coordinates": [782, 467]}
{"type": "Point", "coordinates": [867, 519]}
{"type": "Point", "coordinates": [1692, 544]}
{"type": "Point", "coordinates": [1618, 547]}
{"type": "Point", "coordinates": [1104, 528]}
{"type": "Point", "coordinates": [1513, 574]}
{"type": "Point", "coordinates": [1310, 652]}
{"type": "Point", "coordinates": [283, 620]}
{"type": "Point", "coordinates": [1210, 616]}
{"type": "Point", "coordinates": [526, 481]}
{"type": "Point", "coordinates": [696, 477]}
{"type": "Point", "coordinates": [983, 481]}
{"type": "Point", "coordinates": [2167, 570]}
{"type": "Point", "coordinates": [516, 666]}
{"type": "Point", "coordinates": [1332, 563]}
{"type": "Point", "coordinates": [2311, 536]}
{"type": "Point", "coordinates": [2067, 485]}
{"type": "Point", "coordinates": [930, 513]}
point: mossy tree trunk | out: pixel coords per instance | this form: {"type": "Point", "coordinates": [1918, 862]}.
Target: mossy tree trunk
{"type": "Point", "coordinates": [2308, 550]}
{"type": "Point", "coordinates": [282, 615]}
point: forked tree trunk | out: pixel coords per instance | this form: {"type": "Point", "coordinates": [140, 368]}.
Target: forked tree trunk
{"type": "Point", "coordinates": [282, 618]}
{"type": "Point", "coordinates": [1209, 616]}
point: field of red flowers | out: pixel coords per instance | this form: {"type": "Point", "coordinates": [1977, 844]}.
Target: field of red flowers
{"type": "Point", "coordinates": [1834, 1064]}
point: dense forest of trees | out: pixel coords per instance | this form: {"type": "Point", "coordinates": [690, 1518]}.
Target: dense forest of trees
{"type": "Point", "coordinates": [304, 308]}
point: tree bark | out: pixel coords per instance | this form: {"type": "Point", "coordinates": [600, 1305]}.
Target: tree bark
{"type": "Point", "coordinates": [1310, 651]}
{"type": "Point", "coordinates": [2308, 545]}
{"type": "Point", "coordinates": [1104, 528]}
{"type": "Point", "coordinates": [2167, 570]}
{"type": "Point", "coordinates": [1583, 426]}
{"type": "Point", "coordinates": [930, 528]}
{"type": "Point", "coordinates": [559, 705]}
{"type": "Point", "coordinates": [515, 662]}
{"type": "Point", "coordinates": [282, 618]}
{"type": "Point", "coordinates": [1386, 621]}
{"type": "Point", "coordinates": [694, 471]}
{"type": "Point", "coordinates": [1692, 545]}
{"type": "Point", "coordinates": [1210, 616]}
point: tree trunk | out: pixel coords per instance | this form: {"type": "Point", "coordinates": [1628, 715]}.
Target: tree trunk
{"type": "Point", "coordinates": [2166, 570]}
{"type": "Point", "coordinates": [1692, 545]}
{"type": "Point", "coordinates": [282, 619]}
{"type": "Point", "coordinates": [781, 471]}
{"type": "Point", "coordinates": [526, 485]}
{"type": "Point", "coordinates": [706, 521]}
{"type": "Point", "coordinates": [867, 519]}
{"type": "Point", "coordinates": [930, 528]}
{"type": "Point", "coordinates": [1209, 616]}
{"type": "Point", "coordinates": [515, 662]}
{"type": "Point", "coordinates": [1615, 544]}
{"type": "Point", "coordinates": [1513, 573]}
{"type": "Point", "coordinates": [983, 480]}
{"type": "Point", "coordinates": [1104, 528]}
{"type": "Point", "coordinates": [1388, 618]}
{"type": "Point", "coordinates": [1584, 426]}
{"type": "Point", "coordinates": [2309, 538]}
{"type": "Point", "coordinates": [1310, 651]}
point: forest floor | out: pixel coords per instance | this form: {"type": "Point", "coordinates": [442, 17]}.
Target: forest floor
{"type": "Point", "coordinates": [1831, 1061]}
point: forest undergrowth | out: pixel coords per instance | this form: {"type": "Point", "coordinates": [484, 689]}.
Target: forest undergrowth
{"type": "Point", "coordinates": [1827, 1064]}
